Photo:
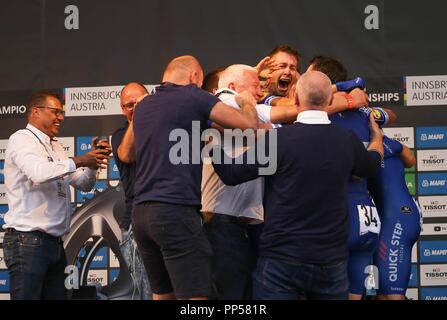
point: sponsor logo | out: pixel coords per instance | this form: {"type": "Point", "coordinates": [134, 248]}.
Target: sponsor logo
{"type": "Point", "coordinates": [384, 97]}
{"type": "Point", "coordinates": [433, 293]}
{"type": "Point", "coordinates": [113, 275]}
{"type": "Point", "coordinates": [433, 207]}
{"type": "Point", "coordinates": [432, 160]}
{"type": "Point", "coordinates": [113, 169]}
{"type": "Point", "coordinates": [431, 137]}
{"type": "Point", "coordinates": [433, 275]}
{"type": "Point", "coordinates": [414, 255]}
{"type": "Point", "coordinates": [405, 209]}
{"type": "Point", "coordinates": [434, 183]}
{"type": "Point", "coordinates": [413, 281]}
{"type": "Point", "coordinates": [3, 146]}
{"type": "Point", "coordinates": [83, 145]}
{"type": "Point", "coordinates": [113, 260]}
{"type": "Point", "coordinates": [101, 259]}
{"type": "Point", "coordinates": [3, 199]}
{"type": "Point", "coordinates": [433, 251]}
{"type": "Point", "coordinates": [434, 229]}
{"type": "Point", "coordinates": [404, 135]}
{"type": "Point", "coordinates": [82, 196]}
{"type": "Point", "coordinates": [68, 145]}
{"type": "Point", "coordinates": [97, 277]}
{"type": "Point", "coordinates": [394, 252]}
{"type": "Point", "coordinates": [4, 281]}
{"type": "Point", "coordinates": [412, 294]}
{"type": "Point", "coordinates": [410, 179]}
{"type": "Point", "coordinates": [426, 90]}
{"type": "Point", "coordinates": [2, 260]}
{"type": "Point", "coordinates": [2, 173]}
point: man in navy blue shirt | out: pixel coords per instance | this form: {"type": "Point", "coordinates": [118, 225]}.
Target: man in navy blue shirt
{"type": "Point", "coordinates": [303, 247]}
{"type": "Point", "coordinates": [166, 136]}
{"type": "Point", "coordinates": [128, 99]}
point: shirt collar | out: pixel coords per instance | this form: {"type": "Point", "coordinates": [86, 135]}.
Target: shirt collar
{"type": "Point", "coordinates": [224, 90]}
{"type": "Point", "coordinates": [313, 117]}
{"type": "Point", "coordinates": [42, 136]}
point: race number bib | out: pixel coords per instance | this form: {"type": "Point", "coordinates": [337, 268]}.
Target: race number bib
{"type": "Point", "coordinates": [369, 219]}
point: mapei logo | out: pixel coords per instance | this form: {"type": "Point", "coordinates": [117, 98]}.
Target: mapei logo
{"type": "Point", "coordinates": [431, 137]}
{"type": "Point", "coordinates": [433, 293]}
{"type": "Point", "coordinates": [4, 281]}
{"type": "Point", "coordinates": [101, 259]}
{"type": "Point", "coordinates": [83, 145]}
{"type": "Point", "coordinates": [433, 251]}
{"type": "Point", "coordinates": [432, 183]}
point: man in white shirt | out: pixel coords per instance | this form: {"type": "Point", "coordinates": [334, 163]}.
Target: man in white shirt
{"type": "Point", "coordinates": [228, 209]}
{"type": "Point", "coordinates": [38, 176]}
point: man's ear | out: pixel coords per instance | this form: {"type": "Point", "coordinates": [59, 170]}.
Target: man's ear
{"type": "Point", "coordinates": [331, 100]}
{"type": "Point", "coordinates": [232, 86]}
{"type": "Point", "coordinates": [297, 100]}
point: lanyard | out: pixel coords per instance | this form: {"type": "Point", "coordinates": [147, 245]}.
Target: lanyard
{"type": "Point", "coordinates": [50, 158]}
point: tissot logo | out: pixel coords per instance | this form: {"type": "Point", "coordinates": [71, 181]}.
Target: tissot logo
{"type": "Point", "coordinates": [384, 97]}
{"type": "Point", "coordinates": [435, 206]}
{"type": "Point", "coordinates": [3, 199]}
{"type": "Point", "coordinates": [97, 277]}
{"type": "Point", "coordinates": [432, 160]}
{"type": "Point", "coordinates": [11, 110]}
{"type": "Point", "coordinates": [3, 146]}
{"type": "Point", "coordinates": [404, 135]}
{"type": "Point", "coordinates": [433, 275]}
{"type": "Point", "coordinates": [68, 145]}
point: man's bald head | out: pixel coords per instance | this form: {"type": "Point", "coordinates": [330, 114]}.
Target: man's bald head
{"type": "Point", "coordinates": [129, 96]}
{"type": "Point", "coordinates": [184, 70]}
{"type": "Point", "coordinates": [314, 90]}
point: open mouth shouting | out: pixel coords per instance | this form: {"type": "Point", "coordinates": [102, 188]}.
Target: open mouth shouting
{"type": "Point", "coordinates": [284, 84]}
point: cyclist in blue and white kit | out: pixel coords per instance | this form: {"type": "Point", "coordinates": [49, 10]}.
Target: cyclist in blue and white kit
{"type": "Point", "coordinates": [364, 218]}
{"type": "Point", "coordinates": [401, 220]}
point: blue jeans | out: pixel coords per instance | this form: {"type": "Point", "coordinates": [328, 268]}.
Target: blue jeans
{"type": "Point", "coordinates": [36, 263]}
{"type": "Point", "coordinates": [135, 264]}
{"type": "Point", "coordinates": [233, 259]}
{"type": "Point", "coordinates": [276, 279]}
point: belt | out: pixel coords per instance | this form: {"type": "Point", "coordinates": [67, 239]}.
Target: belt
{"type": "Point", "coordinates": [37, 233]}
{"type": "Point", "coordinates": [209, 216]}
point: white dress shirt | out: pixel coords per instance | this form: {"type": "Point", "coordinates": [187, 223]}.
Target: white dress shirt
{"type": "Point", "coordinates": [313, 117]}
{"type": "Point", "coordinates": [37, 178]}
{"type": "Point", "coordinates": [245, 199]}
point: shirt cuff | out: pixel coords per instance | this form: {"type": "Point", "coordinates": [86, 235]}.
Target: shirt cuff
{"type": "Point", "coordinates": [71, 165]}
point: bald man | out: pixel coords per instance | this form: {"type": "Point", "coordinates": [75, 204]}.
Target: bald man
{"type": "Point", "coordinates": [129, 96]}
{"type": "Point", "coordinates": [303, 247]}
{"type": "Point", "coordinates": [166, 219]}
